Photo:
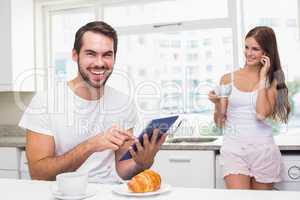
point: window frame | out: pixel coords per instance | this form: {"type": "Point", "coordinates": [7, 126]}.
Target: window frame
{"type": "Point", "coordinates": [229, 22]}
{"type": "Point", "coordinates": [43, 50]}
{"type": "Point", "coordinates": [45, 8]}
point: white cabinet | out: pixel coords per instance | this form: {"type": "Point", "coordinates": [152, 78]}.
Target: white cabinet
{"type": "Point", "coordinates": [290, 173]}
{"type": "Point", "coordinates": [24, 171]}
{"type": "Point", "coordinates": [17, 71]}
{"type": "Point", "coordinates": [220, 184]}
{"type": "Point", "coordinates": [186, 168]}
{"type": "Point", "coordinates": [9, 174]}
{"type": "Point", "coordinates": [9, 162]}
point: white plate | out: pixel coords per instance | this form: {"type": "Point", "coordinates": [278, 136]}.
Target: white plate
{"type": "Point", "coordinates": [122, 189]}
{"type": "Point", "coordinates": [91, 191]}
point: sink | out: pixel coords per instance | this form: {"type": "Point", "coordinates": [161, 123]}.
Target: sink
{"type": "Point", "coordinates": [191, 139]}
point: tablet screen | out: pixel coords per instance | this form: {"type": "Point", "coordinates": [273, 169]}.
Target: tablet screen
{"type": "Point", "coordinates": [163, 124]}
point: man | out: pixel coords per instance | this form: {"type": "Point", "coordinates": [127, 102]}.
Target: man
{"type": "Point", "coordinates": [89, 126]}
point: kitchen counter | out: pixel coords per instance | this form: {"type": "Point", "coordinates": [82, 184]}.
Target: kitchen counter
{"type": "Point", "coordinates": [19, 142]}
{"type": "Point", "coordinates": [285, 143]}
{"type": "Point", "coordinates": [207, 146]}
{"type": "Point", "coordinates": [36, 190]}
{"type": "Point", "coordinates": [13, 136]}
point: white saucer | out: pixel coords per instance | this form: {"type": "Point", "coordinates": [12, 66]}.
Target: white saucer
{"type": "Point", "coordinates": [91, 191]}
{"type": "Point", "coordinates": [122, 189]}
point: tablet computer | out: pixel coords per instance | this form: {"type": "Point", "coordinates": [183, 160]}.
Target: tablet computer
{"type": "Point", "coordinates": [163, 124]}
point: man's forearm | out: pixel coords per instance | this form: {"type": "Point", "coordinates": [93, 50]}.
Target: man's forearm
{"type": "Point", "coordinates": [47, 168]}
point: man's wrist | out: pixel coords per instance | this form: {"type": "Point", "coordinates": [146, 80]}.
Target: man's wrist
{"type": "Point", "coordinates": [138, 168]}
{"type": "Point", "coordinates": [91, 145]}
{"type": "Point", "coordinates": [142, 167]}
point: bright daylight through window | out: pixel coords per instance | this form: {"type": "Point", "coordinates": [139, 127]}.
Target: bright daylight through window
{"type": "Point", "coordinates": [172, 59]}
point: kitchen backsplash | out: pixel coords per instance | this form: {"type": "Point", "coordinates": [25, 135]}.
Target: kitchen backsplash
{"type": "Point", "coordinates": [10, 106]}
{"type": "Point", "coordinates": [11, 130]}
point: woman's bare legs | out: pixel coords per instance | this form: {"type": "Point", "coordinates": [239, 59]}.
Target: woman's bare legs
{"type": "Point", "coordinates": [260, 186]}
{"type": "Point", "coordinates": [237, 181]}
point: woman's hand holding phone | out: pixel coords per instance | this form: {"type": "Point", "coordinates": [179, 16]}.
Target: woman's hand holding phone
{"type": "Point", "coordinates": [266, 64]}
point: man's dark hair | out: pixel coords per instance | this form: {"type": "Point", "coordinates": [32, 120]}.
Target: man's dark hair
{"type": "Point", "coordinates": [96, 27]}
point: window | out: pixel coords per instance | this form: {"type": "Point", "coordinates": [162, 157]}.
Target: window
{"type": "Point", "coordinates": [178, 72]}
{"type": "Point", "coordinates": [172, 59]}
{"type": "Point", "coordinates": [161, 56]}
{"type": "Point", "coordinates": [284, 19]}
{"type": "Point", "coordinates": [64, 24]}
{"type": "Point", "coordinates": [193, 44]}
{"type": "Point", "coordinates": [141, 13]}
{"type": "Point", "coordinates": [174, 55]}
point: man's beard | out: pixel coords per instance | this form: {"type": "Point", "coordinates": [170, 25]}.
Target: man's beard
{"type": "Point", "coordinates": [85, 77]}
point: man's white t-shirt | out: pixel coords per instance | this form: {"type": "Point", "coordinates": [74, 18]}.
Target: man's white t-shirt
{"type": "Point", "coordinates": [71, 120]}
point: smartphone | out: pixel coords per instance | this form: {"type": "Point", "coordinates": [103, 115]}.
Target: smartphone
{"type": "Point", "coordinates": [163, 124]}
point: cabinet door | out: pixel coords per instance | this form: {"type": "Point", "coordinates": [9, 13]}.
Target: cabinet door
{"type": "Point", "coordinates": [9, 174]}
{"type": "Point", "coordinates": [220, 184]}
{"type": "Point", "coordinates": [24, 171]}
{"type": "Point", "coordinates": [25, 175]}
{"type": "Point", "coordinates": [9, 162]}
{"type": "Point", "coordinates": [186, 168]}
{"type": "Point", "coordinates": [9, 158]}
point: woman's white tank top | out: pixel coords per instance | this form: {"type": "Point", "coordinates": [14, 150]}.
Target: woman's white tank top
{"type": "Point", "coordinates": [241, 115]}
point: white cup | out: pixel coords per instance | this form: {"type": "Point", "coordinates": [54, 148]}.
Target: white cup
{"type": "Point", "coordinates": [223, 91]}
{"type": "Point", "coordinates": [72, 183]}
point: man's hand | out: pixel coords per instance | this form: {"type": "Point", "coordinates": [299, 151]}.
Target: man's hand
{"type": "Point", "coordinates": [114, 138]}
{"type": "Point", "coordinates": [144, 156]}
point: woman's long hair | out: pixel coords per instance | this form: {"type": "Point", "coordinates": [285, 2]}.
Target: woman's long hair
{"type": "Point", "coordinates": [266, 38]}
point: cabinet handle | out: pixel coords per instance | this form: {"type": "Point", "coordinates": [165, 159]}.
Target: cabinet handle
{"type": "Point", "coordinates": [180, 160]}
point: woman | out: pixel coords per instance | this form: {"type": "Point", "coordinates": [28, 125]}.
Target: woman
{"type": "Point", "coordinates": [249, 157]}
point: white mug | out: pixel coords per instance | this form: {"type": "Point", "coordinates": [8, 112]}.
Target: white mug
{"type": "Point", "coordinates": [223, 91]}
{"type": "Point", "coordinates": [72, 183]}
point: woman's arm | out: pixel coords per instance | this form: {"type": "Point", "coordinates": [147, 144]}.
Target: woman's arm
{"type": "Point", "coordinates": [266, 99]}
{"type": "Point", "coordinates": [219, 116]}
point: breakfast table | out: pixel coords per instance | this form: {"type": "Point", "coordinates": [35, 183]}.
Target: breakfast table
{"type": "Point", "coordinates": [15, 189]}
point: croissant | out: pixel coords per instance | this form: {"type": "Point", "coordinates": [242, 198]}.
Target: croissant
{"type": "Point", "coordinates": [146, 181]}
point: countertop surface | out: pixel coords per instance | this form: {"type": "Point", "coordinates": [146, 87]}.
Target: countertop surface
{"type": "Point", "coordinates": [13, 136]}
{"type": "Point", "coordinates": [285, 143]}
{"type": "Point", "coordinates": [37, 190]}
